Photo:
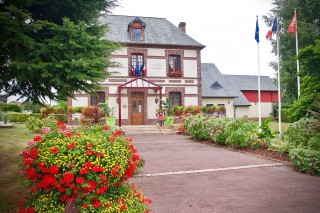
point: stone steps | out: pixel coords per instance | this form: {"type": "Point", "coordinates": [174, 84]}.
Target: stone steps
{"type": "Point", "coordinates": [148, 130]}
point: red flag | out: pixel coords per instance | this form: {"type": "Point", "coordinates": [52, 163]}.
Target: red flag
{"type": "Point", "coordinates": [269, 34]}
{"type": "Point", "coordinates": [293, 24]}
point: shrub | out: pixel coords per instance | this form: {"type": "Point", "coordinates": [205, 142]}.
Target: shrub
{"type": "Point", "coordinates": [11, 108]}
{"type": "Point", "coordinates": [196, 127]}
{"type": "Point", "coordinates": [92, 115]}
{"type": "Point", "coordinates": [22, 117]}
{"type": "Point", "coordinates": [34, 124]}
{"type": "Point", "coordinates": [88, 165]}
{"type": "Point", "coordinates": [297, 134]}
{"type": "Point", "coordinates": [218, 133]}
{"type": "Point", "coordinates": [31, 107]}
{"type": "Point", "coordinates": [306, 160]}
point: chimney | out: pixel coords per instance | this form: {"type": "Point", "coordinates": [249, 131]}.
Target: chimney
{"type": "Point", "coordinates": [182, 26]}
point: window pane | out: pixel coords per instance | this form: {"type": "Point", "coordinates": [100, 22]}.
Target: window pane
{"type": "Point", "coordinates": [136, 35]}
{"type": "Point", "coordinates": [175, 98]}
{"type": "Point", "coordinates": [134, 106]}
{"type": "Point", "coordinates": [174, 63]}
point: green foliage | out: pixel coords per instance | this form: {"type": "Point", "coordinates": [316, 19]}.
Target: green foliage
{"type": "Point", "coordinates": [50, 122]}
{"type": "Point", "coordinates": [306, 160]}
{"type": "Point", "coordinates": [31, 107]}
{"type": "Point", "coordinates": [177, 110]}
{"type": "Point", "coordinates": [308, 33]}
{"type": "Point", "coordinates": [22, 117]}
{"type": "Point", "coordinates": [58, 49]}
{"type": "Point", "coordinates": [265, 131]}
{"type": "Point", "coordinates": [195, 127]}
{"type": "Point", "coordinates": [11, 108]}
{"type": "Point", "coordinates": [314, 143]}
{"type": "Point", "coordinates": [34, 124]}
{"type": "Point", "coordinates": [297, 134]}
{"type": "Point", "coordinates": [286, 115]}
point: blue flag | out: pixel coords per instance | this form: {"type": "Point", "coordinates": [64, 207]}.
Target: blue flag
{"type": "Point", "coordinates": [257, 31]}
{"type": "Point", "coordinates": [274, 28]}
{"type": "Point", "coordinates": [137, 70]}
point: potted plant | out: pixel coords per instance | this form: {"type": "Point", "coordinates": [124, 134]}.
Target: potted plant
{"type": "Point", "coordinates": [109, 112]}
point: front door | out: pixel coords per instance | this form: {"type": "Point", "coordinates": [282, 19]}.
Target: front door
{"type": "Point", "coordinates": [137, 108]}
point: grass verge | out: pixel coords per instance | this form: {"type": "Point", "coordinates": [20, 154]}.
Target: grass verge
{"type": "Point", "coordinates": [12, 141]}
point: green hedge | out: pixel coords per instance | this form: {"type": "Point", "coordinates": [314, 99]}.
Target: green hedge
{"type": "Point", "coordinates": [306, 160]}
{"type": "Point", "coordinates": [21, 117]}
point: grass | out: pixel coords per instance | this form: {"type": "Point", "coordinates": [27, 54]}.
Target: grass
{"type": "Point", "coordinates": [12, 141]}
{"type": "Point", "coordinates": [275, 127]}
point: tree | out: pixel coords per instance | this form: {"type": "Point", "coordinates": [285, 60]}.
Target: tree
{"type": "Point", "coordinates": [53, 52]}
{"type": "Point", "coordinates": [310, 78]}
{"type": "Point", "coordinates": [308, 31]}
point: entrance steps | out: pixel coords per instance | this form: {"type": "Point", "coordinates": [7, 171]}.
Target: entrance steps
{"type": "Point", "coordinates": [148, 130]}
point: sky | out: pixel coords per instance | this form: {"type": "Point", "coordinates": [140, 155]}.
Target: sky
{"type": "Point", "coordinates": [225, 27]}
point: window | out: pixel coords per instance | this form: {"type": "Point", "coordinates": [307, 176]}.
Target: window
{"type": "Point", "coordinates": [99, 97]}
{"type": "Point", "coordinates": [209, 105]}
{"type": "Point", "coordinates": [136, 34]}
{"type": "Point", "coordinates": [174, 66]}
{"type": "Point", "coordinates": [137, 65]}
{"type": "Point", "coordinates": [175, 98]}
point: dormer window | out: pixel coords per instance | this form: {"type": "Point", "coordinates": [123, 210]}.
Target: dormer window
{"type": "Point", "coordinates": [136, 30]}
{"type": "Point", "coordinates": [136, 35]}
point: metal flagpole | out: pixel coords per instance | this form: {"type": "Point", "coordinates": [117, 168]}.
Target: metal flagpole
{"type": "Point", "coordinates": [279, 88]}
{"type": "Point", "coordinates": [297, 52]}
{"type": "Point", "coordinates": [259, 98]}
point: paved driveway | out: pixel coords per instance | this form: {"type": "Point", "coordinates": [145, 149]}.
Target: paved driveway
{"type": "Point", "coordinates": [184, 176]}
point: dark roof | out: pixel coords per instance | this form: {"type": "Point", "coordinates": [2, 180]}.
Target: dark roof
{"type": "Point", "coordinates": [158, 31]}
{"type": "Point", "coordinates": [231, 85]}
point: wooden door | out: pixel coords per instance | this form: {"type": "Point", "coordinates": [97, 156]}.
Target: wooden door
{"type": "Point", "coordinates": [137, 108]}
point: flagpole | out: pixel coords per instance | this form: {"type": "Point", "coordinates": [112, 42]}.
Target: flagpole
{"type": "Point", "coordinates": [279, 88]}
{"type": "Point", "coordinates": [297, 52]}
{"type": "Point", "coordinates": [259, 98]}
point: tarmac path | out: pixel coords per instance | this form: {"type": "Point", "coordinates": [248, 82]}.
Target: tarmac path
{"type": "Point", "coordinates": [182, 176]}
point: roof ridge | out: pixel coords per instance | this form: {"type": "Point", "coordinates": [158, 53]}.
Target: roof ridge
{"type": "Point", "coordinates": [136, 16]}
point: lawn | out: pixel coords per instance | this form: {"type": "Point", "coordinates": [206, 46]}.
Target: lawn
{"type": "Point", "coordinates": [12, 141]}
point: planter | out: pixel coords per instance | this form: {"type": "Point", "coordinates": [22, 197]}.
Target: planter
{"type": "Point", "coordinates": [169, 120]}
{"type": "Point", "coordinates": [111, 121]}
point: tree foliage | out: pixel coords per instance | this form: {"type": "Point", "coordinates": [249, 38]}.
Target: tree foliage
{"type": "Point", "coordinates": [308, 13]}
{"type": "Point", "coordinates": [53, 48]}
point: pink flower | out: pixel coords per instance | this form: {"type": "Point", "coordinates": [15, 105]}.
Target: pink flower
{"type": "Point", "coordinates": [45, 130]}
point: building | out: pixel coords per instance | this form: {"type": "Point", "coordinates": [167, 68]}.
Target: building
{"type": "Point", "coordinates": [237, 93]}
{"type": "Point", "coordinates": [158, 60]}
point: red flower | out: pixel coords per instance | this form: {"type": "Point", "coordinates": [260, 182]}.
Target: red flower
{"type": "Point", "coordinates": [68, 177]}
{"type": "Point", "coordinates": [68, 134]}
{"type": "Point", "coordinates": [83, 171]}
{"type": "Point", "coordinates": [85, 206]}
{"type": "Point", "coordinates": [97, 169]}
{"type": "Point", "coordinates": [28, 161]}
{"type": "Point", "coordinates": [102, 190]}
{"type": "Point", "coordinates": [34, 153]}
{"type": "Point", "coordinates": [115, 170]}
{"type": "Point", "coordinates": [100, 154]}
{"type": "Point", "coordinates": [97, 204]}
{"type": "Point", "coordinates": [40, 165]}
{"type": "Point", "coordinates": [54, 169]}
{"type": "Point", "coordinates": [78, 134]}
{"type": "Point", "coordinates": [93, 184]}
{"type": "Point", "coordinates": [60, 123]}
{"type": "Point", "coordinates": [54, 150]}
{"type": "Point", "coordinates": [31, 173]}
{"type": "Point", "coordinates": [89, 145]}
{"type": "Point", "coordinates": [90, 152]}
{"type": "Point", "coordinates": [72, 145]}
{"type": "Point", "coordinates": [87, 165]}
{"type": "Point", "coordinates": [37, 138]}
{"type": "Point", "coordinates": [79, 180]}
{"type": "Point", "coordinates": [123, 207]}
{"type": "Point", "coordinates": [106, 128]}
{"type": "Point", "coordinates": [30, 210]}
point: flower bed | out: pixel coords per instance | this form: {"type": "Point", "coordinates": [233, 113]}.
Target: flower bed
{"type": "Point", "coordinates": [89, 165]}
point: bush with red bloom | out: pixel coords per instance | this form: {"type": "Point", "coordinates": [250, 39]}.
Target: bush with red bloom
{"type": "Point", "coordinates": [84, 166]}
